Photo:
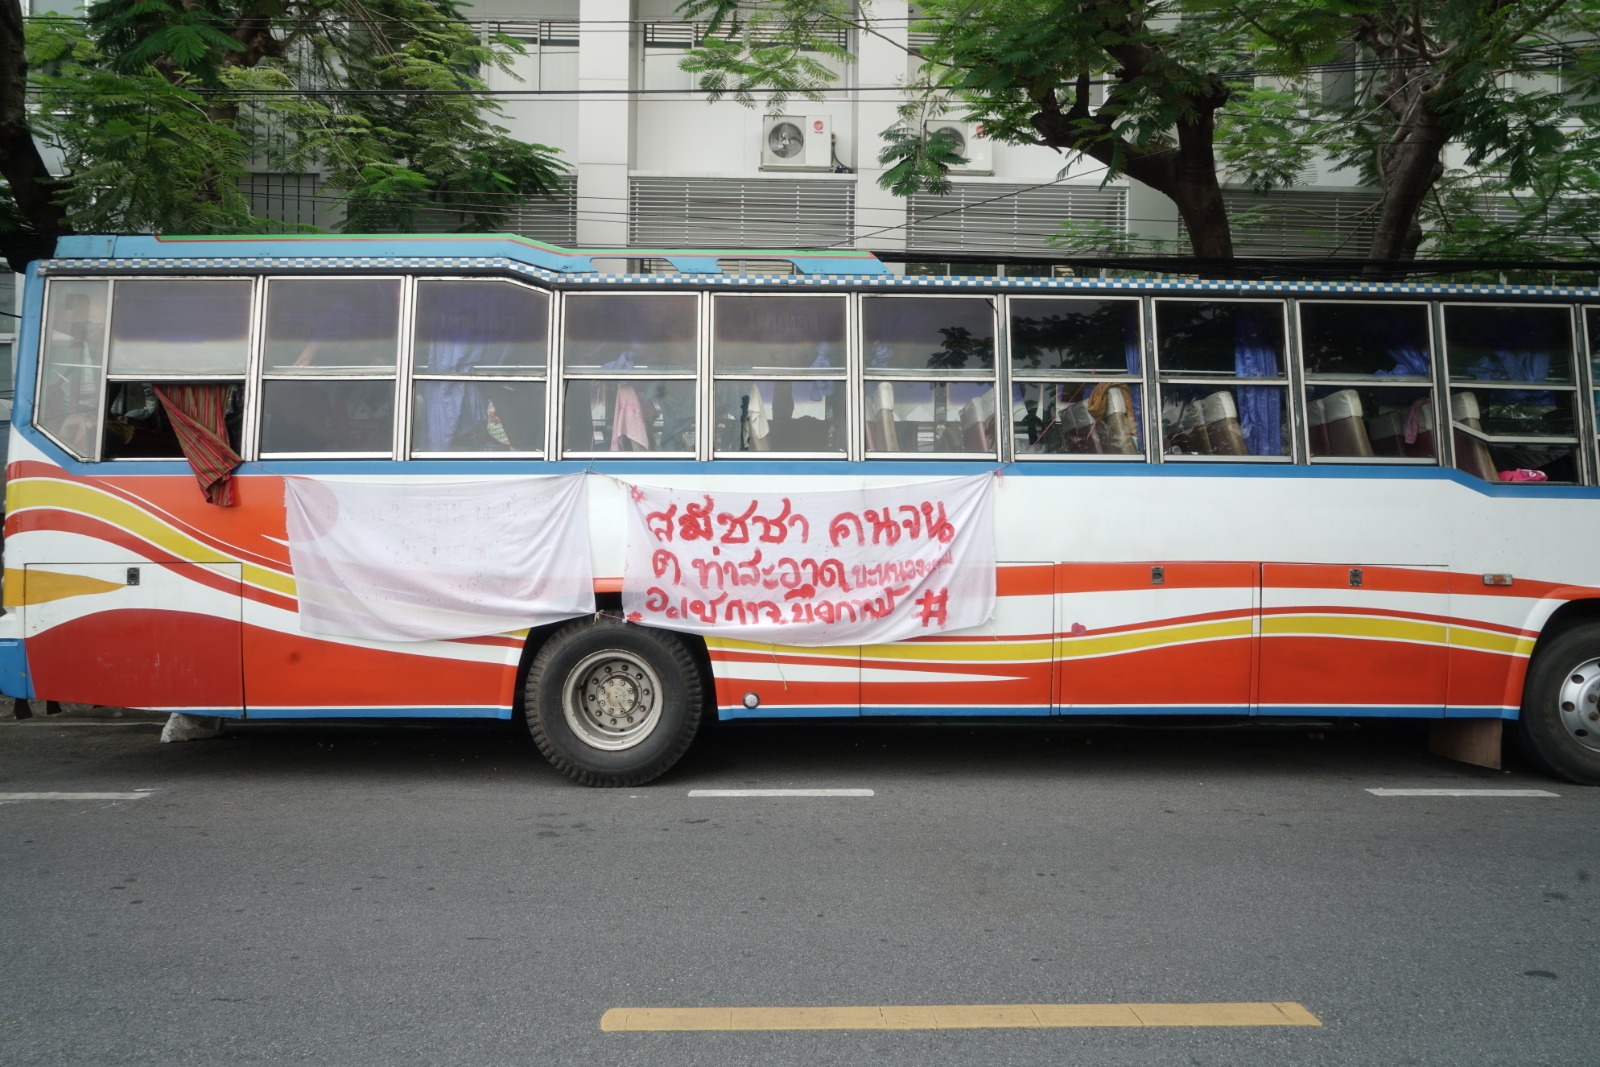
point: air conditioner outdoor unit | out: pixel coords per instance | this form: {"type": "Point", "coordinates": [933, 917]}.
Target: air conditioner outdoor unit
{"type": "Point", "coordinates": [794, 142]}
{"type": "Point", "coordinates": [970, 142]}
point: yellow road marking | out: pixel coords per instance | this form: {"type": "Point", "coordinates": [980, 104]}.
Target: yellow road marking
{"type": "Point", "coordinates": [957, 1017]}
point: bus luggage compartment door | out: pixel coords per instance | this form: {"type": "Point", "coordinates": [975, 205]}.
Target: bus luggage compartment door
{"type": "Point", "coordinates": [1347, 639]}
{"type": "Point", "coordinates": [1156, 638]}
{"type": "Point", "coordinates": [156, 636]}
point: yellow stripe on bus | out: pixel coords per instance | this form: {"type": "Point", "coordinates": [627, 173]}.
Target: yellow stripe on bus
{"type": "Point", "coordinates": [1140, 640]}
{"type": "Point", "coordinates": [1377, 628]}
{"type": "Point", "coordinates": [70, 496]}
{"type": "Point", "coordinates": [40, 587]}
{"type": "Point", "coordinates": [993, 651]}
{"type": "Point", "coordinates": [1488, 641]}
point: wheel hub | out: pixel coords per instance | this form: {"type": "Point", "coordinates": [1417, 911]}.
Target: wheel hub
{"type": "Point", "coordinates": [1579, 701]}
{"type": "Point", "coordinates": [612, 700]}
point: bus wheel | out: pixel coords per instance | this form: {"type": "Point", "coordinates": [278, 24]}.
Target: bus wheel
{"type": "Point", "coordinates": [1560, 724]}
{"type": "Point", "coordinates": [612, 704]}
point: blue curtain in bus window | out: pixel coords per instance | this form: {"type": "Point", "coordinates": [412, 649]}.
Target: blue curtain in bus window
{"type": "Point", "coordinates": [815, 389]}
{"type": "Point", "coordinates": [464, 329]}
{"type": "Point", "coordinates": [1410, 361]}
{"type": "Point", "coordinates": [451, 411]}
{"type": "Point", "coordinates": [1254, 356]}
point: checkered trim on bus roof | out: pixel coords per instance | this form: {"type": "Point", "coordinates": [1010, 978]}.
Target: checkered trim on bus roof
{"type": "Point", "coordinates": [870, 281]}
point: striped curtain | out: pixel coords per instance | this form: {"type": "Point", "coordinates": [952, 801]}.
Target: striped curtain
{"type": "Point", "coordinates": [196, 413]}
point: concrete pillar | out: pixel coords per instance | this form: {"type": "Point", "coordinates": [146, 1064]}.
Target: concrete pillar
{"type": "Point", "coordinates": [605, 122]}
{"type": "Point", "coordinates": [882, 62]}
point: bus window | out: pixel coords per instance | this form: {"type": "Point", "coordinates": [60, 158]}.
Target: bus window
{"type": "Point", "coordinates": [629, 365]}
{"type": "Point", "coordinates": [1224, 385]}
{"type": "Point", "coordinates": [779, 365]}
{"type": "Point", "coordinates": [140, 423]}
{"type": "Point", "coordinates": [1513, 392]}
{"type": "Point", "coordinates": [929, 375]}
{"type": "Point", "coordinates": [330, 353]}
{"type": "Point", "coordinates": [479, 358]}
{"type": "Point", "coordinates": [68, 407]}
{"type": "Point", "coordinates": [1076, 373]}
{"type": "Point", "coordinates": [1368, 392]}
{"type": "Point", "coordinates": [1591, 329]}
{"type": "Point", "coordinates": [165, 327]}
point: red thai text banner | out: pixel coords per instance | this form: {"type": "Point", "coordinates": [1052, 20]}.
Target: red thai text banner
{"type": "Point", "coordinates": [812, 568]}
{"type": "Point", "coordinates": [417, 561]}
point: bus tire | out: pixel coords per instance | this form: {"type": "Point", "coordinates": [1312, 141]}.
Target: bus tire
{"type": "Point", "coordinates": [1559, 729]}
{"type": "Point", "coordinates": [613, 704]}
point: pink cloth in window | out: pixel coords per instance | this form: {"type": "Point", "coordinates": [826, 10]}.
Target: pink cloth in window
{"type": "Point", "coordinates": [627, 420]}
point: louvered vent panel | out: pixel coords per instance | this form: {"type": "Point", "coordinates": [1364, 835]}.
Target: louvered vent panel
{"type": "Point", "coordinates": [740, 213]}
{"type": "Point", "coordinates": [1008, 218]}
{"type": "Point", "coordinates": [1302, 222]}
{"type": "Point", "coordinates": [554, 221]}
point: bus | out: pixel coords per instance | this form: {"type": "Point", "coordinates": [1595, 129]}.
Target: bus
{"type": "Point", "coordinates": [1254, 499]}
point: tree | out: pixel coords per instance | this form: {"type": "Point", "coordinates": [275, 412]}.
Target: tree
{"type": "Point", "coordinates": [1193, 89]}
{"type": "Point", "coordinates": [161, 109]}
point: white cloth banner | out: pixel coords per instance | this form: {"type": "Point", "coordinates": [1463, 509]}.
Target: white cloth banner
{"type": "Point", "coordinates": [854, 567]}
{"type": "Point", "coordinates": [418, 561]}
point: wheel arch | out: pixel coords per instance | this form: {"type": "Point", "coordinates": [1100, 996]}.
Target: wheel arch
{"type": "Point", "coordinates": [1551, 616]}
{"type": "Point", "coordinates": [608, 603]}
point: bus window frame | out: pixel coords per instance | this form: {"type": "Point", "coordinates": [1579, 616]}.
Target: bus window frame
{"type": "Point", "coordinates": [40, 363]}
{"type": "Point", "coordinates": [1300, 398]}
{"type": "Point", "coordinates": [697, 374]}
{"type": "Point", "coordinates": [412, 376]}
{"type": "Point", "coordinates": [1589, 334]}
{"type": "Point", "coordinates": [866, 377]}
{"type": "Point", "coordinates": [260, 376]}
{"type": "Point", "coordinates": [1578, 439]}
{"type": "Point", "coordinates": [1070, 377]}
{"type": "Point", "coordinates": [842, 378]}
{"type": "Point", "coordinates": [1289, 359]}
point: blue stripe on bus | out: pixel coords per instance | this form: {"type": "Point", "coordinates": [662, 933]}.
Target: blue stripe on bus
{"type": "Point", "coordinates": [1483, 712]}
{"type": "Point", "coordinates": [1125, 710]}
{"type": "Point", "coordinates": [948, 468]}
{"type": "Point", "coordinates": [1352, 711]}
{"type": "Point", "coordinates": [931, 711]}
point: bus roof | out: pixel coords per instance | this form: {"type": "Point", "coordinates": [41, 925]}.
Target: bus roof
{"type": "Point", "coordinates": [453, 245]}
{"type": "Point", "coordinates": [751, 268]}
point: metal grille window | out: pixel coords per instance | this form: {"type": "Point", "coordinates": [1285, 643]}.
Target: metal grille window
{"type": "Point", "coordinates": [1513, 391]}
{"type": "Point", "coordinates": [629, 362]}
{"type": "Point", "coordinates": [779, 369]}
{"type": "Point", "coordinates": [1223, 378]}
{"type": "Point", "coordinates": [929, 376]}
{"type": "Point", "coordinates": [1076, 373]}
{"type": "Point", "coordinates": [670, 212]}
{"type": "Point", "coordinates": [479, 359]}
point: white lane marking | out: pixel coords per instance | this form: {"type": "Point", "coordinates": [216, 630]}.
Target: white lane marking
{"type": "Point", "coordinates": [780, 792]}
{"type": "Point", "coordinates": [1462, 793]}
{"type": "Point", "coordinates": [74, 796]}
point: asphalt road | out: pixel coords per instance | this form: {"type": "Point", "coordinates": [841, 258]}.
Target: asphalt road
{"type": "Point", "coordinates": [397, 895]}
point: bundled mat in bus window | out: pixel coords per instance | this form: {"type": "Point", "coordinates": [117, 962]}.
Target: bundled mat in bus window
{"type": "Point", "coordinates": [418, 561]}
{"type": "Point", "coordinates": [854, 567]}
